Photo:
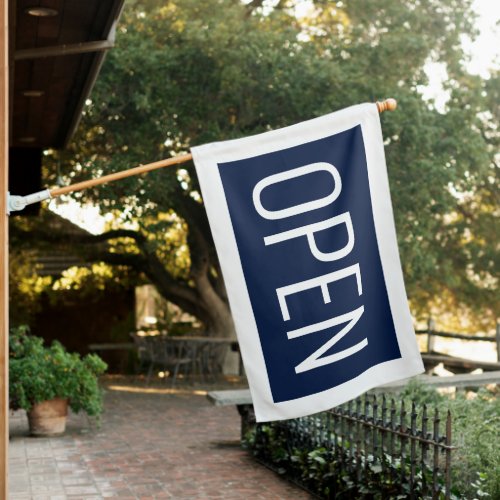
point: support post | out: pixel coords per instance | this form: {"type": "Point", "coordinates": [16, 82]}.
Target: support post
{"type": "Point", "coordinates": [498, 341]}
{"type": "Point", "coordinates": [431, 326]}
{"type": "Point", "coordinates": [4, 248]}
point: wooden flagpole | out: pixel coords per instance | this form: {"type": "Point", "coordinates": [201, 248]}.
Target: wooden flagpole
{"type": "Point", "coordinates": [387, 105]}
{"type": "Point", "coordinates": [121, 175]}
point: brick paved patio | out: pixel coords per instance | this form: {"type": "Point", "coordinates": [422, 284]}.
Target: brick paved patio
{"type": "Point", "coordinates": [150, 445]}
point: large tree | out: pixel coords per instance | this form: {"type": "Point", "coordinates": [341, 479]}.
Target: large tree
{"type": "Point", "coordinates": [186, 72]}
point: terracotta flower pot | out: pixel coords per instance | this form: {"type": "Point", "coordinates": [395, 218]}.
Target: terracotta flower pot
{"type": "Point", "coordinates": [48, 417]}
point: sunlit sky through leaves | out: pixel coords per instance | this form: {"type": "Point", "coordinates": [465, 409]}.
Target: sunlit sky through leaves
{"type": "Point", "coordinates": [484, 51]}
{"type": "Point", "coordinates": [486, 48]}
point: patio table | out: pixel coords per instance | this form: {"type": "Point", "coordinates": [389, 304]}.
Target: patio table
{"type": "Point", "coordinates": [206, 353]}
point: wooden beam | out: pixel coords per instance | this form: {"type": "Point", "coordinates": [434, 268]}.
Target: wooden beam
{"type": "Point", "coordinates": [498, 341]}
{"type": "Point", "coordinates": [461, 336]}
{"type": "Point", "coordinates": [4, 248]}
{"type": "Point", "coordinates": [63, 50]}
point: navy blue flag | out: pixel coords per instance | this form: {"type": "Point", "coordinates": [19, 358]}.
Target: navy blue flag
{"type": "Point", "coordinates": [303, 225]}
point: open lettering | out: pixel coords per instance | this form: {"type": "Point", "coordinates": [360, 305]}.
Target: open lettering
{"type": "Point", "coordinates": [337, 223]}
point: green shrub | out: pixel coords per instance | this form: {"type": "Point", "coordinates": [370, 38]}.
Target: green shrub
{"type": "Point", "coordinates": [333, 473]}
{"type": "Point", "coordinates": [38, 373]}
{"type": "Point", "coordinates": [475, 465]}
{"type": "Point", "coordinates": [475, 435]}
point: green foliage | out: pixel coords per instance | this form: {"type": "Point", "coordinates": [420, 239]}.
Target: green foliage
{"type": "Point", "coordinates": [333, 472]}
{"type": "Point", "coordinates": [475, 465]}
{"type": "Point", "coordinates": [421, 394]}
{"type": "Point", "coordinates": [38, 373]}
{"type": "Point", "coordinates": [189, 72]}
{"type": "Point", "coordinates": [29, 292]}
{"type": "Point", "coordinates": [25, 286]}
{"type": "Point", "coordinates": [476, 434]}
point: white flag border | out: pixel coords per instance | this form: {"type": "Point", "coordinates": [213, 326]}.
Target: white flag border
{"type": "Point", "coordinates": [206, 160]}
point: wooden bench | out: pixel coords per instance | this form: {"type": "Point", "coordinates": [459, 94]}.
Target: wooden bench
{"type": "Point", "coordinates": [458, 365]}
{"type": "Point", "coordinates": [243, 400]}
{"type": "Point", "coordinates": [462, 381]}
{"type": "Point", "coordinates": [111, 346]}
{"type": "Point", "coordinates": [240, 398]}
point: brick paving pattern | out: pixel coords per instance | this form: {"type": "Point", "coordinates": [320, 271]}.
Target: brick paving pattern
{"type": "Point", "coordinates": [149, 445]}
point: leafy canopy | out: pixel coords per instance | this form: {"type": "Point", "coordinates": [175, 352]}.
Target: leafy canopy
{"type": "Point", "coordinates": [186, 72]}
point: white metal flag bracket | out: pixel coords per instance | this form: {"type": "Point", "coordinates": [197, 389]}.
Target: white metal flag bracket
{"type": "Point", "coordinates": [15, 203]}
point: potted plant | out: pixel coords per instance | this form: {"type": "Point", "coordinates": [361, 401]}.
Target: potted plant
{"type": "Point", "coordinates": [45, 380]}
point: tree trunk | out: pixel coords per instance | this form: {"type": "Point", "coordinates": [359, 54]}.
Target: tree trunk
{"type": "Point", "coordinates": [221, 321]}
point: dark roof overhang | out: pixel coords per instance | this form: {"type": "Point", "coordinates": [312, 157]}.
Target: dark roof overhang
{"type": "Point", "coordinates": [57, 48]}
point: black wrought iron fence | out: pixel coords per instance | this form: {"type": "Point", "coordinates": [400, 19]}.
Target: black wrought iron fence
{"type": "Point", "coordinates": [368, 448]}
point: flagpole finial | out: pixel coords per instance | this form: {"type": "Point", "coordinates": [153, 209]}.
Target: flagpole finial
{"type": "Point", "coordinates": [387, 105]}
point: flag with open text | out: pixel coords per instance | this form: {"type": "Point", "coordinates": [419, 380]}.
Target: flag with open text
{"type": "Point", "coordinates": [303, 225]}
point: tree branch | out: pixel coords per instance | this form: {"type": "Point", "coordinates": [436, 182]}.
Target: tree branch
{"type": "Point", "coordinates": [118, 233]}
{"type": "Point", "coordinates": [135, 261]}
{"type": "Point", "coordinates": [182, 295]}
